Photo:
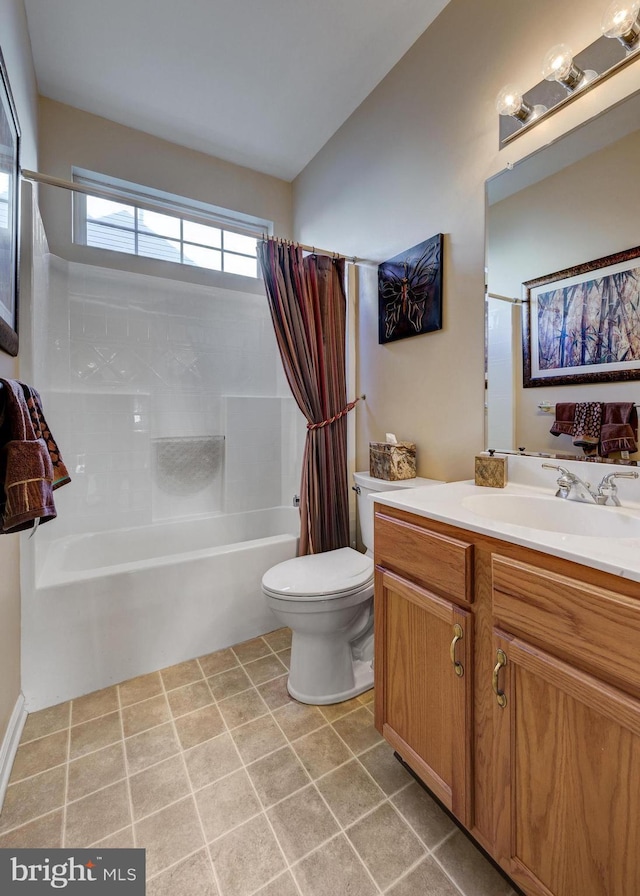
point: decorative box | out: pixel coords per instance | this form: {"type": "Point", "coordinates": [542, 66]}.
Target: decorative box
{"type": "Point", "coordinates": [392, 460]}
{"type": "Point", "coordinates": [491, 471]}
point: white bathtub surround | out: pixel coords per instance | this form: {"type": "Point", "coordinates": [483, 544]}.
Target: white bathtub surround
{"type": "Point", "coordinates": [10, 743]}
{"type": "Point", "coordinates": [113, 605]}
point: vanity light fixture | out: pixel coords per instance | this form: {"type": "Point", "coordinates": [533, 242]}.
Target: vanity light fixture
{"type": "Point", "coordinates": [621, 20]}
{"type": "Point", "coordinates": [558, 65]}
{"type": "Point", "coordinates": [510, 102]}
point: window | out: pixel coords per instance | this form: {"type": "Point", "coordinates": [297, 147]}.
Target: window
{"type": "Point", "coordinates": [154, 224]}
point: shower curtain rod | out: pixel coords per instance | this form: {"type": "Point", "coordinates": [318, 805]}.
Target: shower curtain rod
{"type": "Point", "coordinates": [165, 206]}
{"type": "Point", "coordinates": [495, 295]}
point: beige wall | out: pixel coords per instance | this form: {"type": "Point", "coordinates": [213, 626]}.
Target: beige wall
{"type": "Point", "coordinates": [70, 137]}
{"type": "Point", "coordinates": [16, 50]}
{"type": "Point", "coordinates": [411, 162]}
{"type": "Point", "coordinates": [582, 213]}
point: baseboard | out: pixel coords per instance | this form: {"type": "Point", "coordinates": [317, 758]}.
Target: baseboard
{"type": "Point", "coordinates": [9, 745]}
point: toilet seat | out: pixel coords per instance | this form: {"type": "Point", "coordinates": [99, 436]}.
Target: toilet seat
{"type": "Point", "coordinates": [326, 576]}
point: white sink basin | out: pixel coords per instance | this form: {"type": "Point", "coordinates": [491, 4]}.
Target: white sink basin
{"type": "Point", "coordinates": [556, 515]}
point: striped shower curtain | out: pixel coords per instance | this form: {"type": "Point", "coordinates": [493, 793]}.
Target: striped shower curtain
{"type": "Point", "coordinates": [308, 307]}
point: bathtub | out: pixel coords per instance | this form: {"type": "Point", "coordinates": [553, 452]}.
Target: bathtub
{"type": "Point", "coordinates": [112, 605]}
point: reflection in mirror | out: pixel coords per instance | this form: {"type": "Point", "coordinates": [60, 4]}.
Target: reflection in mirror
{"type": "Point", "coordinates": [570, 203]}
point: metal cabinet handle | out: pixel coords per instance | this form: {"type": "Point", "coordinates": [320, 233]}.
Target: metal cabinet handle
{"type": "Point", "coordinates": [501, 697]}
{"type": "Point", "coordinates": [458, 635]}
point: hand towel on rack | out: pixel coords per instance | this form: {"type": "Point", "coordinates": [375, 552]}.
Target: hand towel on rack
{"type": "Point", "coordinates": [619, 427]}
{"type": "Point", "coordinates": [587, 424]}
{"type": "Point", "coordinates": [42, 431]}
{"type": "Point", "coordinates": [565, 415]}
{"type": "Point", "coordinates": [26, 466]}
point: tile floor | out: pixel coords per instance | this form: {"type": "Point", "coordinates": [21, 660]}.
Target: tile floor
{"type": "Point", "coordinates": [235, 789]}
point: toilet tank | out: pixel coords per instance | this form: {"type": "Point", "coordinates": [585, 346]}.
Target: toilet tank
{"type": "Point", "coordinates": [367, 485]}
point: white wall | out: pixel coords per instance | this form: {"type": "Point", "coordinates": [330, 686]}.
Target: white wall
{"type": "Point", "coordinates": [14, 43]}
{"type": "Point", "coordinates": [582, 213]}
{"type": "Point", "coordinates": [411, 162]}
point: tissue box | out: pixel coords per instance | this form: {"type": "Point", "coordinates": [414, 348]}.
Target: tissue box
{"type": "Point", "coordinates": [392, 461]}
{"type": "Point", "coordinates": [491, 471]}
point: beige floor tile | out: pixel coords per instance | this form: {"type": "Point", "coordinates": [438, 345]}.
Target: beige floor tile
{"type": "Point", "coordinates": [385, 769]}
{"type": "Point", "coordinates": [191, 877]}
{"type": "Point", "coordinates": [198, 726]}
{"type": "Point", "coordinates": [357, 730]}
{"type": "Point", "coordinates": [33, 797]}
{"type": "Point", "coordinates": [257, 738]}
{"type": "Point", "coordinates": [96, 770]}
{"type": "Point", "coordinates": [280, 639]}
{"type": "Point", "coordinates": [141, 688]}
{"type": "Point", "coordinates": [278, 775]}
{"type": "Point", "coordinates": [181, 674]}
{"type": "Point", "coordinates": [39, 755]}
{"type": "Point", "coordinates": [46, 721]}
{"type": "Point", "coordinates": [169, 835]}
{"type": "Point", "coordinates": [150, 747]}
{"type": "Point", "coordinates": [349, 792]}
{"type": "Point", "coordinates": [216, 662]}
{"type": "Point", "coordinates": [122, 839]}
{"type": "Point", "coordinates": [265, 669]}
{"type": "Point", "coordinates": [242, 708]}
{"type": "Point", "coordinates": [246, 858]}
{"type": "Point", "coordinates": [43, 833]}
{"type": "Point", "coordinates": [298, 719]}
{"type": "Point", "coordinates": [158, 786]}
{"type": "Point", "coordinates": [429, 821]}
{"type": "Point", "coordinates": [251, 650]}
{"type": "Point", "coordinates": [95, 704]}
{"type": "Point", "coordinates": [302, 822]}
{"type": "Point", "coordinates": [321, 751]}
{"type": "Point", "coordinates": [334, 869]}
{"type": "Point", "coordinates": [386, 844]}
{"type": "Point", "coordinates": [190, 697]}
{"type": "Point", "coordinates": [275, 693]}
{"type": "Point", "coordinates": [427, 878]}
{"type": "Point", "coordinates": [469, 869]}
{"type": "Point", "coordinates": [93, 735]}
{"type": "Point", "coordinates": [96, 816]}
{"type": "Point", "coordinates": [367, 697]}
{"type": "Point", "coordinates": [333, 711]}
{"type": "Point", "coordinates": [226, 804]}
{"type": "Point", "coordinates": [283, 885]}
{"type": "Point", "coordinates": [211, 760]}
{"type": "Point", "coordinates": [285, 657]}
{"type": "Point", "coordinates": [146, 714]}
{"type": "Point", "coordinates": [226, 684]}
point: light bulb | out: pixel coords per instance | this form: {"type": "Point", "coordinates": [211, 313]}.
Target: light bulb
{"type": "Point", "coordinates": [558, 65]}
{"type": "Point", "coordinates": [509, 101]}
{"type": "Point", "coordinates": [621, 20]}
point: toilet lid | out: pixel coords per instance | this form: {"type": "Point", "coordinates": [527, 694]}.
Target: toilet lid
{"type": "Point", "coordinates": [325, 575]}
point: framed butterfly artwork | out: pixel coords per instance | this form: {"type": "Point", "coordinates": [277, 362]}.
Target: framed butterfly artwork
{"type": "Point", "coordinates": [410, 292]}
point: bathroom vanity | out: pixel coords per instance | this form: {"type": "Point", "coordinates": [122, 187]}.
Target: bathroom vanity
{"type": "Point", "coordinates": [507, 676]}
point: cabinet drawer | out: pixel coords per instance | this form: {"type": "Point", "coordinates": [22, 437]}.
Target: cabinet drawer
{"type": "Point", "coordinates": [438, 562]}
{"type": "Point", "coordinates": [597, 629]}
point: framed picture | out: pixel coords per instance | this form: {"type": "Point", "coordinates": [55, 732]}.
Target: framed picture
{"type": "Point", "coordinates": [410, 292]}
{"type": "Point", "coordinates": [9, 215]}
{"type": "Point", "coordinates": [582, 325]}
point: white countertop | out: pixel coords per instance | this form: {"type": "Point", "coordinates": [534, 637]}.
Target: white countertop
{"type": "Point", "coordinates": [620, 556]}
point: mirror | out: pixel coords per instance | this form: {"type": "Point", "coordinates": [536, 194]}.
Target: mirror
{"type": "Point", "coordinates": [572, 202]}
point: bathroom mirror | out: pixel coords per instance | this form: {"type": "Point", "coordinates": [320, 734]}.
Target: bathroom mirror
{"type": "Point", "coordinates": [572, 202]}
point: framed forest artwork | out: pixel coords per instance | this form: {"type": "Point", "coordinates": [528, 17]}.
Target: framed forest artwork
{"type": "Point", "coordinates": [9, 215]}
{"type": "Point", "coordinates": [582, 325]}
{"type": "Point", "coordinates": [410, 292]}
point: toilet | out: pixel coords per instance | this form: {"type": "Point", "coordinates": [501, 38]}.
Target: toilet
{"type": "Point", "coordinates": [327, 602]}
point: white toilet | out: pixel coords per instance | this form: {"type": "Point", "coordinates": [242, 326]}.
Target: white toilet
{"type": "Point", "coordinates": [327, 602]}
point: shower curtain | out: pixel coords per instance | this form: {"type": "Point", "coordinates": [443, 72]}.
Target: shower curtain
{"type": "Point", "coordinates": [308, 307]}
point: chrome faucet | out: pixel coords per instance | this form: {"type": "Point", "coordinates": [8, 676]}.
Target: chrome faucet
{"type": "Point", "coordinates": [569, 484]}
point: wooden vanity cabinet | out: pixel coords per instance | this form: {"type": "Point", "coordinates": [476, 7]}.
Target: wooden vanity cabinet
{"type": "Point", "coordinates": [536, 746]}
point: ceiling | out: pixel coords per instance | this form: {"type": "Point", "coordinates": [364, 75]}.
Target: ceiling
{"type": "Point", "coordinates": [263, 83]}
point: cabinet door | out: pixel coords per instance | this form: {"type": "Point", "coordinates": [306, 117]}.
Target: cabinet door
{"type": "Point", "coordinates": [423, 686]}
{"type": "Point", "coordinates": [567, 772]}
